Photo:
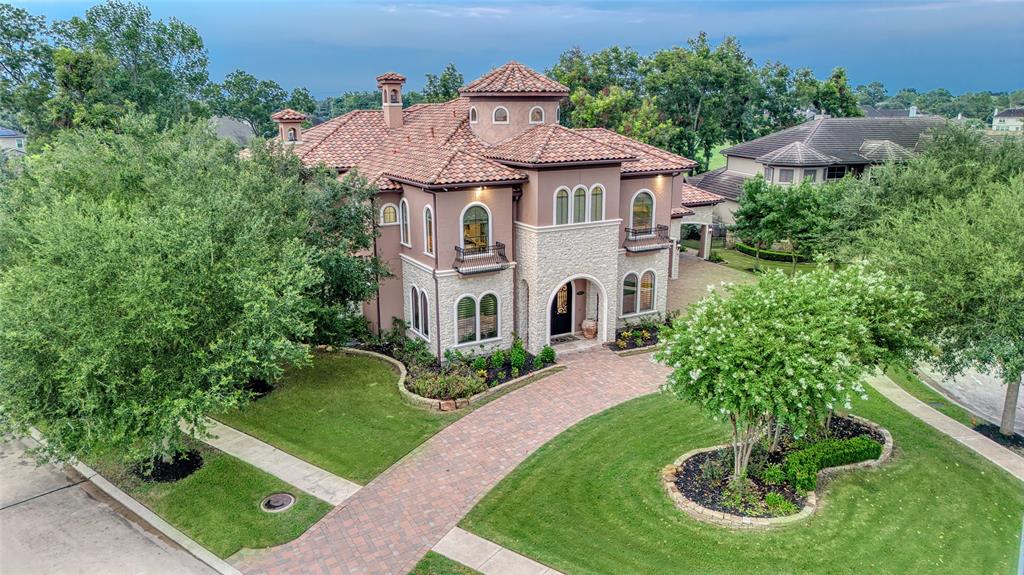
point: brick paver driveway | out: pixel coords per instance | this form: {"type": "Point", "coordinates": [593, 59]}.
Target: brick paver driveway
{"type": "Point", "coordinates": [387, 526]}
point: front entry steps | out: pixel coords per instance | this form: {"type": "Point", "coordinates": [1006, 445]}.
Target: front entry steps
{"type": "Point", "coordinates": [573, 343]}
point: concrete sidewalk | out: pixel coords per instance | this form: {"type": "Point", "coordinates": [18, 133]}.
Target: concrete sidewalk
{"type": "Point", "coordinates": [488, 557]}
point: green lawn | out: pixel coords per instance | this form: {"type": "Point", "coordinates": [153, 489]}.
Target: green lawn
{"type": "Point", "coordinates": [436, 564]}
{"type": "Point", "coordinates": [590, 501]}
{"type": "Point", "coordinates": [218, 505]}
{"type": "Point", "coordinates": [921, 390]}
{"type": "Point", "coordinates": [344, 413]}
{"type": "Point", "coordinates": [745, 263]}
{"type": "Point", "coordinates": [717, 159]}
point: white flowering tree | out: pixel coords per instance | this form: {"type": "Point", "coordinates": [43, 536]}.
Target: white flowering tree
{"type": "Point", "coordinates": [787, 350]}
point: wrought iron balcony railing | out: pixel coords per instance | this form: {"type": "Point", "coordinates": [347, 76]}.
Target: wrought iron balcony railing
{"type": "Point", "coordinates": [647, 239]}
{"type": "Point", "coordinates": [480, 259]}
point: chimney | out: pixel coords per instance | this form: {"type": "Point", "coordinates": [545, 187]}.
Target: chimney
{"type": "Point", "coordinates": [390, 85]}
{"type": "Point", "coordinates": [289, 125]}
{"type": "Point", "coordinates": [913, 111]}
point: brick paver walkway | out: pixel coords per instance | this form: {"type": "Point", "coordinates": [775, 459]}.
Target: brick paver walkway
{"type": "Point", "coordinates": [388, 525]}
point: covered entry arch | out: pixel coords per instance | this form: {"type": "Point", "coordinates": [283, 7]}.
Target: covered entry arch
{"type": "Point", "coordinates": [602, 305]}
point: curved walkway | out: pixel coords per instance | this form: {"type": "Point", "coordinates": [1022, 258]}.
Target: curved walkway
{"type": "Point", "coordinates": [388, 525]}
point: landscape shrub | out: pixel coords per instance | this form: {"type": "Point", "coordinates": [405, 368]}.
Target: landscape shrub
{"type": "Point", "coordinates": [779, 505]}
{"type": "Point", "coordinates": [772, 474]}
{"type": "Point", "coordinates": [480, 363]}
{"type": "Point", "coordinates": [517, 357]}
{"type": "Point", "coordinates": [498, 359]}
{"type": "Point", "coordinates": [547, 355]}
{"type": "Point", "coordinates": [771, 255]}
{"type": "Point", "coordinates": [802, 467]}
{"type": "Point", "coordinates": [448, 384]}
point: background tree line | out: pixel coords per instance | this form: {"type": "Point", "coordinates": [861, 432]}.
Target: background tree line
{"type": "Point", "coordinates": [941, 102]}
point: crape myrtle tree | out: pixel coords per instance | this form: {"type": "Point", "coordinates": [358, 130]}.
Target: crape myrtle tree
{"type": "Point", "coordinates": [787, 350]}
{"type": "Point", "coordinates": [145, 277]}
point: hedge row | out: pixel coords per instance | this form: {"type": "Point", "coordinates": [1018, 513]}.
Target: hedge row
{"type": "Point", "coordinates": [771, 255]}
{"type": "Point", "coordinates": [803, 466]}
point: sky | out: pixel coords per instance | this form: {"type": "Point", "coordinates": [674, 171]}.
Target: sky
{"type": "Point", "coordinates": [332, 47]}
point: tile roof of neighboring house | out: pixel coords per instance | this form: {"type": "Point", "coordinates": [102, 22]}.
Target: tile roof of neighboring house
{"type": "Point", "coordinates": [555, 144]}
{"type": "Point", "coordinates": [694, 196]}
{"type": "Point", "coordinates": [232, 129]}
{"type": "Point", "coordinates": [727, 184]}
{"type": "Point", "coordinates": [881, 151]}
{"type": "Point", "coordinates": [682, 212]}
{"type": "Point", "coordinates": [649, 158]}
{"type": "Point", "coordinates": [288, 115]}
{"type": "Point", "coordinates": [9, 133]}
{"type": "Point", "coordinates": [797, 154]}
{"type": "Point", "coordinates": [514, 78]}
{"type": "Point", "coordinates": [1011, 113]}
{"type": "Point", "coordinates": [841, 137]}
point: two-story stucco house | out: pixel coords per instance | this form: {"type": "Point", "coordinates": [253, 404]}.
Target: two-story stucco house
{"type": "Point", "coordinates": [819, 150]}
{"type": "Point", "coordinates": [1009, 120]}
{"type": "Point", "coordinates": [495, 219]}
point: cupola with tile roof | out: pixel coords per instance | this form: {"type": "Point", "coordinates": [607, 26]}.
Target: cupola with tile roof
{"type": "Point", "coordinates": [510, 100]}
{"type": "Point", "coordinates": [289, 125]}
{"type": "Point", "coordinates": [390, 85]}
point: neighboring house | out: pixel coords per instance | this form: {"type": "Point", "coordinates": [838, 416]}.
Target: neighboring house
{"type": "Point", "coordinates": [819, 150]}
{"type": "Point", "coordinates": [228, 128]}
{"type": "Point", "coordinates": [1009, 120]}
{"type": "Point", "coordinates": [873, 112]}
{"type": "Point", "coordinates": [495, 219]}
{"type": "Point", "coordinates": [12, 142]}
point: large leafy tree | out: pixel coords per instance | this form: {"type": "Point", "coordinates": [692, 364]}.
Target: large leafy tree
{"type": "Point", "coordinates": [597, 73]}
{"type": "Point", "coordinates": [871, 94]}
{"type": "Point", "coordinates": [245, 97]}
{"type": "Point", "coordinates": [787, 350]}
{"type": "Point", "coordinates": [146, 276]}
{"type": "Point", "coordinates": [444, 86]}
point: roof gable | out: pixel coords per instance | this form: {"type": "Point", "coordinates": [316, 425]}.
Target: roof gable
{"type": "Point", "coordinates": [555, 144]}
{"type": "Point", "coordinates": [797, 154]}
{"type": "Point", "coordinates": [511, 79]}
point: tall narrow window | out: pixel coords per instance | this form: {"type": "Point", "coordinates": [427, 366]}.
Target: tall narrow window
{"type": "Point", "coordinates": [579, 205]}
{"type": "Point", "coordinates": [472, 115]}
{"type": "Point", "coordinates": [291, 134]}
{"type": "Point", "coordinates": [403, 216]}
{"type": "Point", "coordinates": [476, 227]}
{"type": "Point", "coordinates": [424, 314]}
{"type": "Point", "coordinates": [414, 307]}
{"type": "Point", "coordinates": [388, 215]}
{"type": "Point", "coordinates": [489, 316]}
{"type": "Point", "coordinates": [562, 206]}
{"type": "Point", "coordinates": [597, 204]}
{"type": "Point", "coordinates": [629, 294]}
{"type": "Point", "coordinates": [647, 291]}
{"type": "Point", "coordinates": [643, 211]}
{"type": "Point", "coordinates": [428, 230]}
{"type": "Point", "coordinates": [466, 320]}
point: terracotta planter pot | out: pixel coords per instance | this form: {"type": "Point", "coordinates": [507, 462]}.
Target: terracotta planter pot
{"type": "Point", "coordinates": [589, 328]}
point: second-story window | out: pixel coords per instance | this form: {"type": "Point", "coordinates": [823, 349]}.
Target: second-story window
{"type": "Point", "coordinates": [579, 205]}
{"type": "Point", "coordinates": [597, 203]}
{"type": "Point", "coordinates": [536, 115]}
{"type": "Point", "coordinates": [476, 227]}
{"type": "Point", "coordinates": [562, 206]}
{"type": "Point", "coordinates": [811, 175]}
{"type": "Point", "coordinates": [642, 212]}
{"type": "Point", "coordinates": [472, 115]}
{"type": "Point", "coordinates": [500, 115]}
{"type": "Point", "coordinates": [785, 176]}
{"type": "Point", "coordinates": [403, 222]}
{"type": "Point", "coordinates": [388, 215]}
{"type": "Point", "coordinates": [428, 230]}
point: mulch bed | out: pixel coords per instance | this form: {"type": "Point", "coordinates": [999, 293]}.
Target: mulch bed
{"type": "Point", "coordinates": [179, 467]}
{"type": "Point", "coordinates": [710, 494]}
{"type": "Point", "coordinates": [634, 341]}
{"type": "Point", "coordinates": [1014, 443]}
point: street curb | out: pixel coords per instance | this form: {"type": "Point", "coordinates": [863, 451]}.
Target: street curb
{"type": "Point", "coordinates": [187, 543]}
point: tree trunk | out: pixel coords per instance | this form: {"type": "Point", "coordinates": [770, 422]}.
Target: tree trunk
{"type": "Point", "coordinates": [1010, 405]}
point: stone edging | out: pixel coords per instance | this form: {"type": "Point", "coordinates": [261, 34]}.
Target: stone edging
{"type": "Point", "coordinates": [635, 350]}
{"type": "Point", "coordinates": [187, 543]}
{"type": "Point", "coordinates": [701, 513]}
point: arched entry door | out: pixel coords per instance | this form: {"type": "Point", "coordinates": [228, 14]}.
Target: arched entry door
{"type": "Point", "coordinates": [561, 310]}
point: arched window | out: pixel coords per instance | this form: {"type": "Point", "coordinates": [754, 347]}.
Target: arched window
{"type": "Point", "coordinates": [465, 315]}
{"type": "Point", "coordinates": [597, 203]}
{"type": "Point", "coordinates": [642, 214]}
{"type": "Point", "coordinates": [414, 307]}
{"type": "Point", "coordinates": [394, 96]}
{"type": "Point", "coordinates": [428, 230]}
{"type": "Point", "coordinates": [291, 134]}
{"type": "Point", "coordinates": [562, 206]}
{"type": "Point", "coordinates": [647, 291]}
{"type": "Point", "coordinates": [489, 316]}
{"type": "Point", "coordinates": [500, 115]}
{"type": "Point", "coordinates": [476, 227]}
{"type": "Point", "coordinates": [388, 215]}
{"type": "Point", "coordinates": [579, 205]}
{"type": "Point", "coordinates": [403, 222]}
{"type": "Point", "coordinates": [536, 115]}
{"type": "Point", "coordinates": [629, 294]}
{"type": "Point", "coordinates": [424, 314]}
{"type": "Point", "coordinates": [472, 115]}
{"type": "Point", "coordinates": [558, 114]}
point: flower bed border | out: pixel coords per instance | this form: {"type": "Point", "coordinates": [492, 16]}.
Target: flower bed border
{"type": "Point", "coordinates": [722, 519]}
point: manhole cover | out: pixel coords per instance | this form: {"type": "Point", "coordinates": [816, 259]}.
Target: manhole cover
{"type": "Point", "coordinates": [277, 502]}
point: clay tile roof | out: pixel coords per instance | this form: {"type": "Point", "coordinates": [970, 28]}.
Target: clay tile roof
{"type": "Point", "coordinates": [797, 154]}
{"type": "Point", "coordinates": [681, 212]}
{"type": "Point", "coordinates": [287, 115]}
{"type": "Point", "coordinates": [514, 78]}
{"type": "Point", "coordinates": [694, 196]}
{"type": "Point", "coordinates": [555, 144]}
{"type": "Point", "coordinates": [390, 77]}
{"type": "Point", "coordinates": [343, 141]}
{"type": "Point", "coordinates": [650, 158]}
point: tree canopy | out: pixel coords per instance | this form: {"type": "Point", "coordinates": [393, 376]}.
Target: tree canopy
{"type": "Point", "coordinates": [245, 97]}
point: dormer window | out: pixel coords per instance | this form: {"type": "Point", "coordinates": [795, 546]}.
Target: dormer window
{"type": "Point", "coordinates": [472, 115]}
{"type": "Point", "coordinates": [500, 115]}
{"type": "Point", "coordinates": [536, 115]}
{"type": "Point", "coordinates": [291, 134]}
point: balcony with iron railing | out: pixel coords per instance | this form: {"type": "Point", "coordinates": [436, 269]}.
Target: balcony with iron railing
{"type": "Point", "coordinates": [480, 259]}
{"type": "Point", "coordinates": [647, 239]}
